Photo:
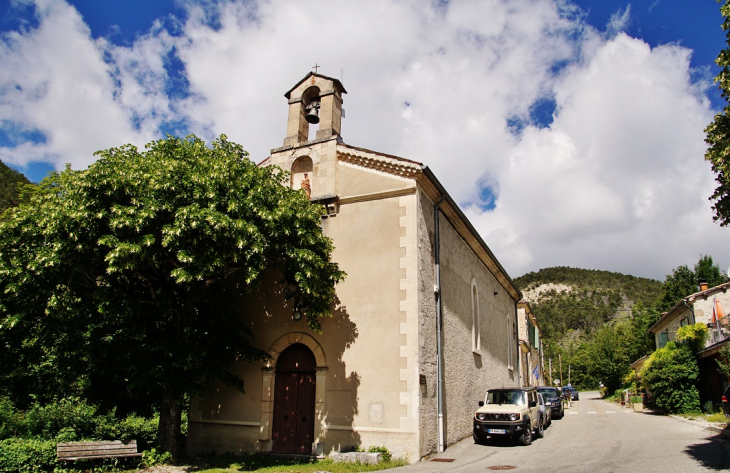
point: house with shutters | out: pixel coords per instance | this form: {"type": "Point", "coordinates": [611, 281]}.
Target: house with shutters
{"type": "Point", "coordinates": [425, 322]}
{"type": "Point", "coordinates": [706, 306]}
{"type": "Point", "coordinates": [531, 363]}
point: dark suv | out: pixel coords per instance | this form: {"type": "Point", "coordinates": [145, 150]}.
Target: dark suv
{"type": "Point", "coordinates": [553, 400]}
{"type": "Point", "coordinates": [570, 391]}
{"type": "Point", "coordinates": [509, 412]}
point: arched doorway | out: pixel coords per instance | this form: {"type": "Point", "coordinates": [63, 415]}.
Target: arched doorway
{"type": "Point", "coordinates": [294, 398]}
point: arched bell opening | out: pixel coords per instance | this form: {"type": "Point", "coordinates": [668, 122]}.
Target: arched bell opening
{"type": "Point", "coordinates": [311, 107]}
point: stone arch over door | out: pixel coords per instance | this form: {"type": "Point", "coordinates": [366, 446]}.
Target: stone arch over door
{"type": "Point", "coordinates": [269, 386]}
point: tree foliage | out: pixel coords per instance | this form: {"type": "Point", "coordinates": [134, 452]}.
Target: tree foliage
{"type": "Point", "coordinates": [124, 280]}
{"type": "Point", "coordinates": [706, 270]}
{"type": "Point", "coordinates": [11, 183]}
{"type": "Point", "coordinates": [595, 298]}
{"type": "Point", "coordinates": [693, 336]}
{"type": "Point", "coordinates": [671, 374]}
{"type": "Point", "coordinates": [718, 132]}
{"type": "Point", "coordinates": [685, 281]}
{"type": "Point", "coordinates": [599, 327]}
{"type": "Point", "coordinates": [723, 361]}
{"type": "Point", "coordinates": [678, 285]}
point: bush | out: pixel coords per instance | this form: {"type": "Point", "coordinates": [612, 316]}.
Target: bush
{"type": "Point", "coordinates": [10, 419]}
{"type": "Point", "coordinates": [28, 440]}
{"type": "Point", "coordinates": [385, 453]}
{"type": "Point", "coordinates": [153, 457]}
{"type": "Point", "coordinates": [693, 336]}
{"type": "Point", "coordinates": [68, 414]}
{"type": "Point", "coordinates": [132, 427]}
{"type": "Point", "coordinates": [709, 408]}
{"type": "Point", "coordinates": [73, 419]}
{"type": "Point", "coordinates": [27, 455]}
{"type": "Point", "coordinates": [671, 375]}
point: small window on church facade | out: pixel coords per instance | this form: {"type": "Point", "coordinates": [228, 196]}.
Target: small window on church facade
{"type": "Point", "coordinates": [301, 175]}
{"type": "Point", "coordinates": [476, 339]}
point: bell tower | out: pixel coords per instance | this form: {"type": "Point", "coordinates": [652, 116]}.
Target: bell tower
{"type": "Point", "coordinates": [316, 99]}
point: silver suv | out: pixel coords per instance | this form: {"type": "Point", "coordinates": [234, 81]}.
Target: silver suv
{"type": "Point", "coordinates": [509, 412]}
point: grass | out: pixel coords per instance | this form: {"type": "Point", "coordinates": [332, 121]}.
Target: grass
{"type": "Point", "coordinates": [716, 417]}
{"type": "Point", "coordinates": [268, 464]}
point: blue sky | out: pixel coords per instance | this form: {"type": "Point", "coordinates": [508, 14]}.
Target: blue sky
{"type": "Point", "coordinates": [583, 118]}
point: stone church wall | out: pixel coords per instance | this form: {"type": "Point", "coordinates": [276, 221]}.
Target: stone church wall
{"type": "Point", "coordinates": [468, 372]}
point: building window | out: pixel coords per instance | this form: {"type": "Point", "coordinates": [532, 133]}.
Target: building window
{"type": "Point", "coordinates": [476, 339]}
{"type": "Point", "coordinates": [683, 322]}
{"type": "Point", "coordinates": [662, 339]}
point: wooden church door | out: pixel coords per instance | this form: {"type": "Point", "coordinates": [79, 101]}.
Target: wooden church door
{"type": "Point", "coordinates": [294, 395]}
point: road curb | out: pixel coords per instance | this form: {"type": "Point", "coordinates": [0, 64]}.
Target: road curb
{"type": "Point", "coordinates": [706, 426]}
{"type": "Point", "coordinates": [724, 432]}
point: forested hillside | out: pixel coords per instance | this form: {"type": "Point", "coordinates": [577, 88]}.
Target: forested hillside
{"type": "Point", "coordinates": [565, 299]}
{"type": "Point", "coordinates": [595, 321]}
{"type": "Point", "coordinates": [9, 186]}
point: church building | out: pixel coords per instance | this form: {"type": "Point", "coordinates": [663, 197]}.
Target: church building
{"type": "Point", "coordinates": [425, 321]}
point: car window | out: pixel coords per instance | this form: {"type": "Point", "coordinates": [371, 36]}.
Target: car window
{"type": "Point", "coordinates": [505, 397]}
{"type": "Point", "coordinates": [549, 392]}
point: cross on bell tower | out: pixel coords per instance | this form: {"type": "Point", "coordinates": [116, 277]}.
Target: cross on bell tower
{"type": "Point", "coordinates": [316, 99]}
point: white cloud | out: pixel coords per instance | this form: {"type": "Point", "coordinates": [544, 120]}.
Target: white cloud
{"type": "Point", "coordinates": [620, 20]}
{"type": "Point", "coordinates": [54, 80]}
{"type": "Point", "coordinates": [618, 178]}
{"type": "Point", "coordinates": [616, 182]}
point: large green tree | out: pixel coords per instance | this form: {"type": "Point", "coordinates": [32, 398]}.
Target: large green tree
{"type": "Point", "coordinates": [678, 285]}
{"type": "Point", "coordinates": [125, 279]}
{"type": "Point", "coordinates": [685, 281]}
{"type": "Point", "coordinates": [718, 132]}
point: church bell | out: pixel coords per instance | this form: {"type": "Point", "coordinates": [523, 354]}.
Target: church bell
{"type": "Point", "coordinates": [312, 115]}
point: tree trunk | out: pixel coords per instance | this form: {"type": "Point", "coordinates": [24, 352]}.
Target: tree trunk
{"type": "Point", "coordinates": [168, 430]}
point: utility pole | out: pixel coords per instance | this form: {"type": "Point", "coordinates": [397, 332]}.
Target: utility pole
{"type": "Point", "coordinates": [560, 360]}
{"type": "Point", "coordinates": [550, 365]}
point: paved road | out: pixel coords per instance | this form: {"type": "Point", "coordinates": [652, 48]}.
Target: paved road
{"type": "Point", "coordinates": [596, 436]}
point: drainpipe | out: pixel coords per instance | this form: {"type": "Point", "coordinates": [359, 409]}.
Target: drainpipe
{"type": "Point", "coordinates": [519, 350]}
{"type": "Point", "coordinates": [691, 309]}
{"type": "Point", "coordinates": [439, 348]}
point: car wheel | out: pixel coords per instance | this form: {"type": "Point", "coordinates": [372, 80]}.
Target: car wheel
{"type": "Point", "coordinates": [540, 431]}
{"type": "Point", "coordinates": [562, 411]}
{"type": "Point", "coordinates": [526, 436]}
{"type": "Point", "coordinates": [478, 439]}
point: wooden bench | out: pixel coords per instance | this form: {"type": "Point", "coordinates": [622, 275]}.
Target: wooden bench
{"type": "Point", "coordinates": [100, 449]}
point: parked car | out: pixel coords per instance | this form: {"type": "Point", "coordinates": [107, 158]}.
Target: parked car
{"type": "Point", "coordinates": [509, 412]}
{"type": "Point", "coordinates": [726, 402]}
{"type": "Point", "coordinates": [545, 410]}
{"type": "Point", "coordinates": [554, 399]}
{"type": "Point", "coordinates": [570, 391]}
